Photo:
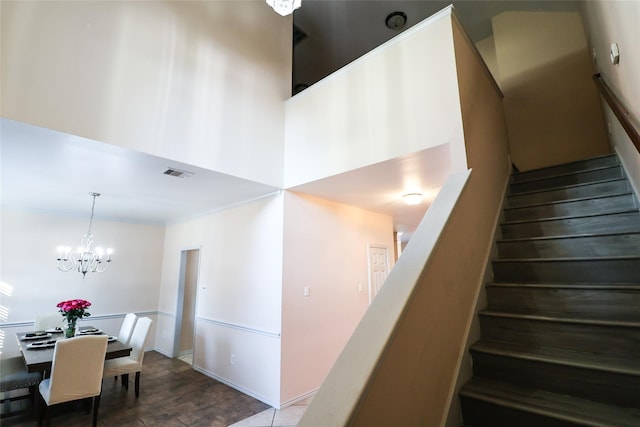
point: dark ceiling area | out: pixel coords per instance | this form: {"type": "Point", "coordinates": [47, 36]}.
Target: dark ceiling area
{"type": "Point", "coordinates": [330, 34]}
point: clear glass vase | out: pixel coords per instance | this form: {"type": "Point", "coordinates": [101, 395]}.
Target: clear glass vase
{"type": "Point", "coordinates": [70, 331]}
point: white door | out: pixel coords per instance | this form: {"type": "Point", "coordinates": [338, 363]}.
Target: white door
{"type": "Point", "coordinates": [378, 269]}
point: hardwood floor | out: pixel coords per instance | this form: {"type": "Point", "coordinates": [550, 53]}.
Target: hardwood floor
{"type": "Point", "coordinates": [171, 394]}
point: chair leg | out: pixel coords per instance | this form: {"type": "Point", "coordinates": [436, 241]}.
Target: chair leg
{"type": "Point", "coordinates": [42, 408]}
{"type": "Point", "coordinates": [32, 393]}
{"type": "Point", "coordinates": [87, 404]}
{"type": "Point", "coordinates": [125, 381]}
{"type": "Point", "coordinates": [137, 384]}
{"type": "Point", "coordinates": [96, 406]}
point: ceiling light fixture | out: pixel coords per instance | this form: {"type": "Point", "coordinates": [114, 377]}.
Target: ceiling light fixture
{"type": "Point", "coordinates": [396, 20]}
{"type": "Point", "coordinates": [284, 7]}
{"type": "Point", "coordinates": [83, 259]}
{"type": "Point", "coordinates": [412, 199]}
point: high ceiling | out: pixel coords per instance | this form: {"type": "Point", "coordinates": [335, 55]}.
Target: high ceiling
{"type": "Point", "coordinates": [337, 32]}
{"type": "Point", "coordinates": [47, 171]}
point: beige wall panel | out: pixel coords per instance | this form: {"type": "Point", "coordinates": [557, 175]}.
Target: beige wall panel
{"type": "Point", "coordinates": [200, 82]}
{"type": "Point", "coordinates": [617, 22]}
{"type": "Point", "coordinates": [551, 104]}
{"type": "Point", "coordinates": [325, 249]}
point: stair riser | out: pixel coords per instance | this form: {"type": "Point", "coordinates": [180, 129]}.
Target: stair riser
{"type": "Point", "coordinates": [584, 165]}
{"type": "Point", "coordinates": [599, 206]}
{"type": "Point", "coordinates": [624, 222]}
{"type": "Point", "coordinates": [582, 191]}
{"type": "Point", "coordinates": [587, 303]}
{"type": "Point", "coordinates": [609, 340]}
{"type": "Point", "coordinates": [561, 181]}
{"type": "Point", "coordinates": [611, 245]}
{"type": "Point", "coordinates": [478, 413]}
{"type": "Point", "coordinates": [568, 271]}
{"type": "Point", "coordinates": [607, 387]}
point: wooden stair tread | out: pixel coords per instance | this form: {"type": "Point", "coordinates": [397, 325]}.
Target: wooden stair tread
{"type": "Point", "coordinates": [562, 318]}
{"type": "Point", "coordinates": [559, 339]}
{"type": "Point", "coordinates": [563, 174]}
{"type": "Point", "coordinates": [566, 164]}
{"type": "Point", "coordinates": [569, 236]}
{"type": "Point", "coordinates": [589, 286]}
{"type": "Point", "coordinates": [561, 259]}
{"type": "Point", "coordinates": [561, 357]}
{"type": "Point", "coordinates": [523, 221]}
{"type": "Point", "coordinates": [573, 200]}
{"type": "Point", "coordinates": [552, 405]}
{"type": "Point", "coordinates": [568, 186]}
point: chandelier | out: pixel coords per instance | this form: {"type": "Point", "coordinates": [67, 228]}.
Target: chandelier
{"type": "Point", "coordinates": [83, 259]}
{"type": "Point", "coordinates": [284, 7]}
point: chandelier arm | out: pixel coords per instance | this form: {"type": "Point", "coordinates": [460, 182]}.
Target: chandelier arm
{"type": "Point", "coordinates": [106, 266]}
{"type": "Point", "coordinates": [65, 265]}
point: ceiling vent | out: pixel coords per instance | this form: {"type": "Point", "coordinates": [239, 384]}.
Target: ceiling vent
{"type": "Point", "coordinates": [178, 173]}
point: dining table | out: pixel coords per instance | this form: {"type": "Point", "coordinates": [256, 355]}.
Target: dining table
{"type": "Point", "coordinates": [37, 347]}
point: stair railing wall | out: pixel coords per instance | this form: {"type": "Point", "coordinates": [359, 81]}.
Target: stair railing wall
{"type": "Point", "coordinates": [618, 108]}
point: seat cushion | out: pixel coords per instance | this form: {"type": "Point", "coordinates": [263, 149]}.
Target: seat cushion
{"type": "Point", "coordinates": [44, 389]}
{"type": "Point", "coordinates": [121, 365]}
{"type": "Point", "coordinates": [14, 375]}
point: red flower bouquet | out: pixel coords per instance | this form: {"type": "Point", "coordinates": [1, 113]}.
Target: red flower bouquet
{"type": "Point", "coordinates": [72, 310]}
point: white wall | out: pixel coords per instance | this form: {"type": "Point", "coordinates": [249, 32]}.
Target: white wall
{"type": "Point", "coordinates": [239, 294]}
{"type": "Point", "coordinates": [33, 284]}
{"type": "Point", "coordinates": [400, 98]}
{"type": "Point", "coordinates": [326, 250]}
{"type": "Point", "coordinates": [617, 22]}
{"type": "Point", "coordinates": [199, 82]}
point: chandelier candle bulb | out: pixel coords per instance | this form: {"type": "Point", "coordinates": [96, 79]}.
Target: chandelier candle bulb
{"type": "Point", "coordinates": [284, 7]}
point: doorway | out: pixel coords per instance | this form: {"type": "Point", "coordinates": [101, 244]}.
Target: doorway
{"type": "Point", "coordinates": [183, 343]}
{"type": "Point", "coordinates": [378, 269]}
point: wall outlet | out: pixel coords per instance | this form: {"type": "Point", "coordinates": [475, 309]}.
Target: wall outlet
{"type": "Point", "coordinates": [232, 359]}
{"type": "Point", "coordinates": [307, 292]}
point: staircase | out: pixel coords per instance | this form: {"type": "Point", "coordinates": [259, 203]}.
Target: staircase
{"type": "Point", "coordinates": [560, 338]}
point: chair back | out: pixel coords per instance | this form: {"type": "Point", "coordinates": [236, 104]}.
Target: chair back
{"type": "Point", "coordinates": [76, 372]}
{"type": "Point", "coordinates": [139, 338]}
{"type": "Point", "coordinates": [127, 328]}
{"type": "Point", "coordinates": [48, 321]}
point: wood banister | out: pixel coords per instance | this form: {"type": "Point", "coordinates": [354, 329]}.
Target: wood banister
{"type": "Point", "coordinates": [621, 112]}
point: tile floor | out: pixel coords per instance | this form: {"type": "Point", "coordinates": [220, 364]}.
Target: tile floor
{"type": "Point", "coordinates": [287, 417]}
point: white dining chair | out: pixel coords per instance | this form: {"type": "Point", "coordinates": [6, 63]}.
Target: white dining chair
{"type": "Point", "coordinates": [76, 373]}
{"type": "Point", "coordinates": [127, 328]}
{"type": "Point", "coordinates": [48, 321]}
{"type": "Point", "coordinates": [132, 363]}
